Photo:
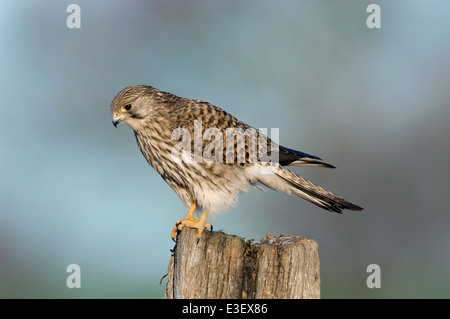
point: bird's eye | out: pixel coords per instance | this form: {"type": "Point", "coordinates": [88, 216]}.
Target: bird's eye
{"type": "Point", "coordinates": [127, 107]}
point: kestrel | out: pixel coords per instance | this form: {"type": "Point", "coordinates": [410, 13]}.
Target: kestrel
{"type": "Point", "coordinates": [209, 173]}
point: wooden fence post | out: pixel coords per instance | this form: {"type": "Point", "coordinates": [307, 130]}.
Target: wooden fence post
{"type": "Point", "coordinates": [222, 266]}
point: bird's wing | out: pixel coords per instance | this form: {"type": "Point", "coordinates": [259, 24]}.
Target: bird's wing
{"type": "Point", "coordinates": [292, 157]}
{"type": "Point", "coordinates": [222, 138]}
{"type": "Point", "coordinates": [247, 146]}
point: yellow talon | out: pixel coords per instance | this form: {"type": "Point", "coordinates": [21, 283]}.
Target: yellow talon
{"type": "Point", "coordinates": [189, 221]}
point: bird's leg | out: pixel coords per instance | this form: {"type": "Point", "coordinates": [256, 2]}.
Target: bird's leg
{"type": "Point", "coordinates": [189, 221]}
{"type": "Point", "coordinates": [189, 217]}
{"type": "Point", "coordinates": [190, 213]}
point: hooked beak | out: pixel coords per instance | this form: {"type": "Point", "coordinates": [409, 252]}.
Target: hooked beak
{"type": "Point", "coordinates": [117, 119]}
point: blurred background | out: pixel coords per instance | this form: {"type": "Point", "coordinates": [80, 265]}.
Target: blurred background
{"type": "Point", "coordinates": [373, 102]}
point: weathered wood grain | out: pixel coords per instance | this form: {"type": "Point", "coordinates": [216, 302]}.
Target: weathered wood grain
{"type": "Point", "coordinates": [223, 266]}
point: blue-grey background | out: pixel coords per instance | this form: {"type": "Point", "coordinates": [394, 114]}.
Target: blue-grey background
{"type": "Point", "coordinates": [375, 103]}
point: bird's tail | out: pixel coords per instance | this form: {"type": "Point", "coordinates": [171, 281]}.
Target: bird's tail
{"type": "Point", "coordinates": [293, 184]}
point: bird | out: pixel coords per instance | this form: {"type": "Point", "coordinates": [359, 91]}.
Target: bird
{"type": "Point", "coordinates": [175, 135]}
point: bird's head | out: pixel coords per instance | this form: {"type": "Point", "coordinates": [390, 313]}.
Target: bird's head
{"type": "Point", "coordinates": [132, 105]}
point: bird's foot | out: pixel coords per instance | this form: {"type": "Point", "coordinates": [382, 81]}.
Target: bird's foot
{"type": "Point", "coordinates": [198, 224]}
